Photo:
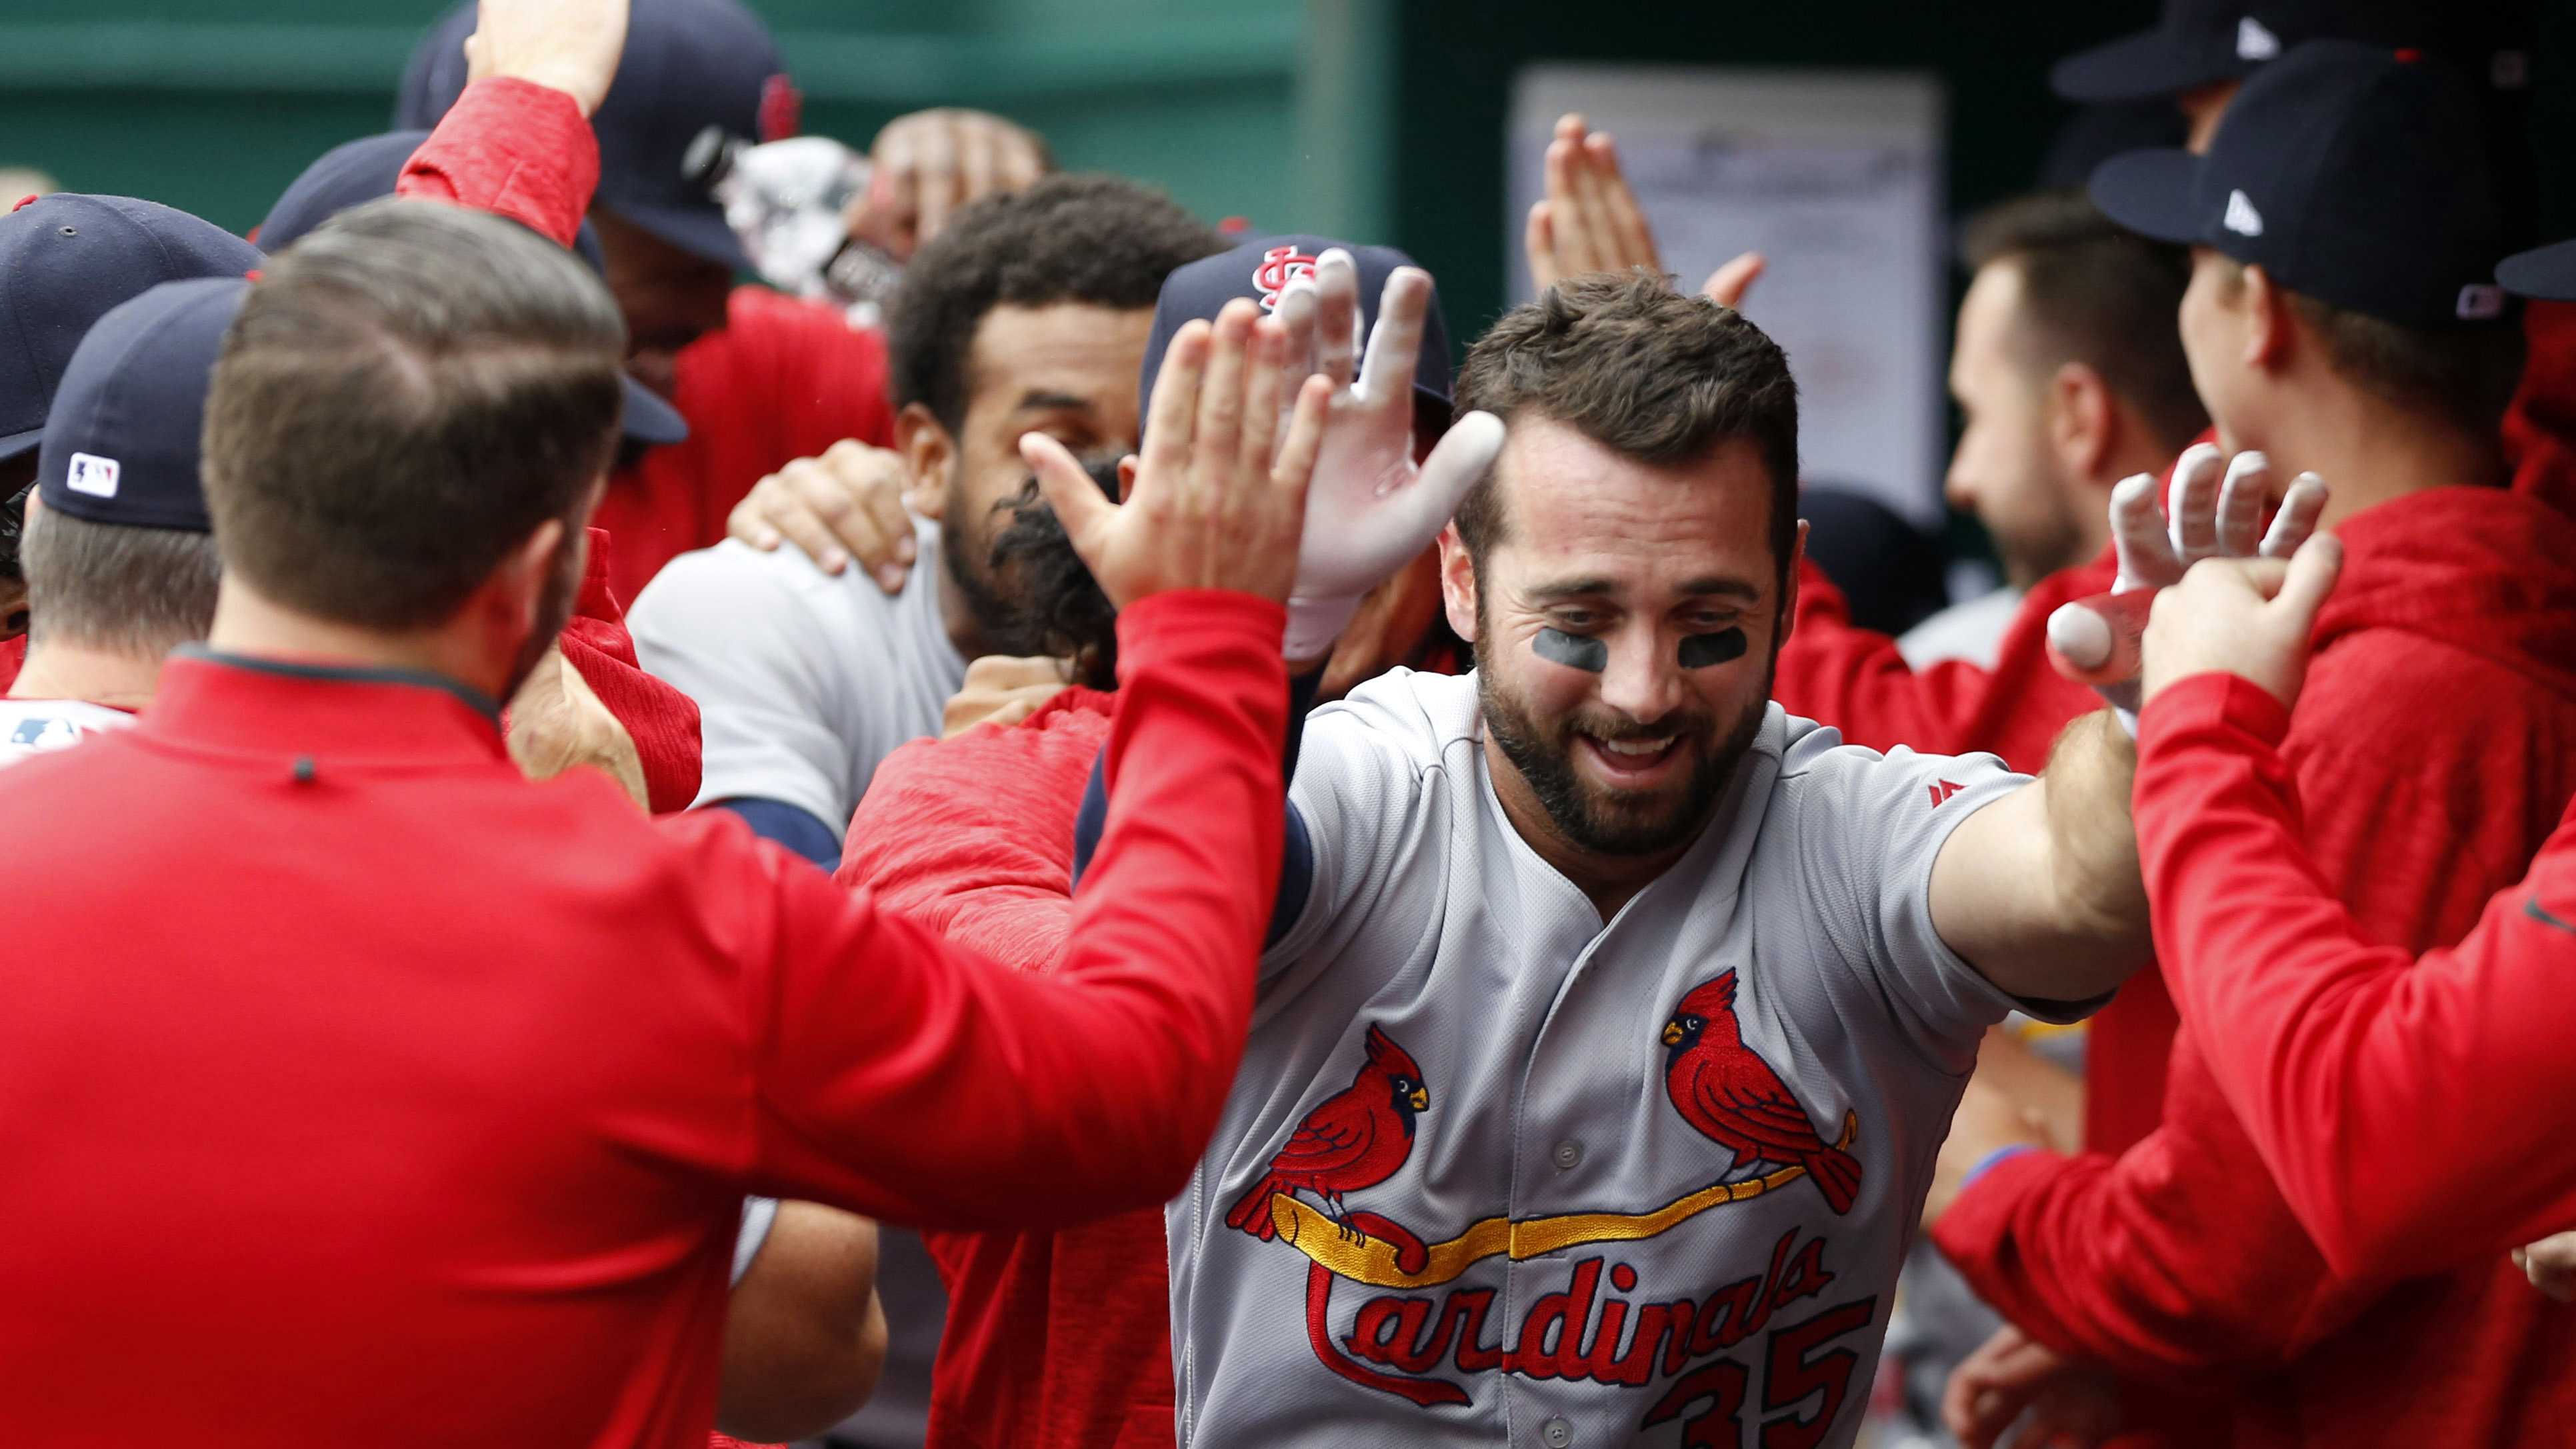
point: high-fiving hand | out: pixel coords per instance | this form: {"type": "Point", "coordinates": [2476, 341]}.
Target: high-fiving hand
{"type": "Point", "coordinates": [2208, 516]}
{"type": "Point", "coordinates": [568, 45]}
{"type": "Point", "coordinates": [1214, 504]}
{"type": "Point", "coordinates": [1371, 508]}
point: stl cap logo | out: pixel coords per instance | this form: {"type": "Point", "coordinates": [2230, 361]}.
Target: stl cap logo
{"type": "Point", "coordinates": [782, 109]}
{"type": "Point", "coordinates": [2480, 302]}
{"type": "Point", "coordinates": [2241, 217]}
{"type": "Point", "coordinates": [1279, 267]}
{"type": "Point", "coordinates": [93, 475]}
{"type": "Point", "coordinates": [2253, 42]}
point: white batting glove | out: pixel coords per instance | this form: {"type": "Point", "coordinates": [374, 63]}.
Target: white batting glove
{"type": "Point", "coordinates": [1370, 509]}
{"type": "Point", "coordinates": [2207, 515]}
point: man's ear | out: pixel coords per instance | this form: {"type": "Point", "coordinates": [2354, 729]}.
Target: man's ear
{"type": "Point", "coordinates": [929, 460]}
{"type": "Point", "coordinates": [2082, 420]}
{"type": "Point", "coordinates": [1458, 583]}
{"type": "Point", "coordinates": [515, 591]}
{"type": "Point", "coordinates": [2268, 325]}
{"type": "Point", "coordinates": [1789, 594]}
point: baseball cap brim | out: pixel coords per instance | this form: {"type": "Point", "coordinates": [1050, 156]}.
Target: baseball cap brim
{"type": "Point", "coordinates": [2150, 193]}
{"type": "Point", "coordinates": [697, 230]}
{"type": "Point", "coordinates": [2140, 67]}
{"type": "Point", "coordinates": [2547, 273]}
{"type": "Point", "coordinates": [17, 443]}
{"type": "Point", "coordinates": [649, 419]}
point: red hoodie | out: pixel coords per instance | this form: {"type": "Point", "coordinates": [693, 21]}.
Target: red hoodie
{"type": "Point", "coordinates": [2434, 747]}
{"type": "Point", "coordinates": [1060, 1340]}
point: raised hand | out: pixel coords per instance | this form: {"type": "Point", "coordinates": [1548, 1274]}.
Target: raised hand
{"type": "Point", "coordinates": [1371, 508]}
{"type": "Point", "coordinates": [2208, 516]}
{"type": "Point", "coordinates": [1214, 505]}
{"type": "Point", "coordinates": [930, 163]}
{"type": "Point", "coordinates": [844, 505]}
{"type": "Point", "coordinates": [568, 45]}
{"type": "Point", "coordinates": [1590, 221]}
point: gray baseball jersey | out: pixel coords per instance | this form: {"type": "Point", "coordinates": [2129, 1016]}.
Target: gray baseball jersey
{"type": "Point", "coordinates": [30, 727]}
{"type": "Point", "coordinates": [804, 680]}
{"type": "Point", "coordinates": [1646, 1182]}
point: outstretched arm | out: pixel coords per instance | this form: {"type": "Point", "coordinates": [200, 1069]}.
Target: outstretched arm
{"type": "Point", "coordinates": [2039, 890]}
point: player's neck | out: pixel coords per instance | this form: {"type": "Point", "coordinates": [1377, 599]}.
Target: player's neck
{"type": "Point", "coordinates": [1608, 881]}
{"type": "Point", "coordinates": [2369, 452]}
{"type": "Point", "coordinates": [59, 670]}
{"type": "Point", "coordinates": [248, 624]}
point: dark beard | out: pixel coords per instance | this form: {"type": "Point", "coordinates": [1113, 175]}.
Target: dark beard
{"type": "Point", "coordinates": [966, 556]}
{"type": "Point", "coordinates": [554, 608]}
{"type": "Point", "coordinates": [1595, 821]}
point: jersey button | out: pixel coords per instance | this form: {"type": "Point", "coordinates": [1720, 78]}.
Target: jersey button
{"type": "Point", "coordinates": [1569, 1155]}
{"type": "Point", "coordinates": [1557, 1433]}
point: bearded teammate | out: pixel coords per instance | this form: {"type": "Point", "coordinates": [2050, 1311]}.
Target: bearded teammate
{"type": "Point", "coordinates": [1527, 874]}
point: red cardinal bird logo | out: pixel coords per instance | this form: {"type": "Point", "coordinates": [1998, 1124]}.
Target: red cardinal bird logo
{"type": "Point", "coordinates": [1734, 1098]}
{"type": "Point", "coordinates": [1356, 1139]}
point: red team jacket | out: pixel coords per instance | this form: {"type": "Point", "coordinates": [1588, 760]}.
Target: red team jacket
{"type": "Point", "coordinates": [1055, 1340]}
{"type": "Point", "coordinates": [425, 1119]}
{"type": "Point", "coordinates": [2339, 1056]}
{"type": "Point", "coordinates": [2435, 747]}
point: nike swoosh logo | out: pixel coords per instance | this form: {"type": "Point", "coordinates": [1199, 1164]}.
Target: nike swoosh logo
{"type": "Point", "coordinates": [2531, 908]}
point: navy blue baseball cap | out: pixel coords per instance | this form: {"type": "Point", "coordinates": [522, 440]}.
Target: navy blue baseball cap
{"type": "Point", "coordinates": [122, 446]}
{"type": "Point", "coordinates": [688, 66]}
{"type": "Point", "coordinates": [1261, 271]}
{"type": "Point", "coordinates": [2351, 175]}
{"type": "Point", "coordinates": [65, 261]}
{"type": "Point", "coordinates": [2548, 273]}
{"type": "Point", "coordinates": [354, 173]}
{"type": "Point", "coordinates": [2201, 42]}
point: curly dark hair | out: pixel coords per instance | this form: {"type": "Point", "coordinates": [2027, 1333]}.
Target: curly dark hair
{"type": "Point", "coordinates": [1101, 240]}
{"type": "Point", "coordinates": [1642, 370]}
{"type": "Point", "coordinates": [1060, 610]}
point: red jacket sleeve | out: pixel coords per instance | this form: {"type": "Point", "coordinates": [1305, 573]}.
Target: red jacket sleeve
{"type": "Point", "coordinates": [513, 148]}
{"type": "Point", "coordinates": [2180, 1255]}
{"type": "Point", "coordinates": [2340, 1057]}
{"type": "Point", "coordinates": [661, 720]}
{"type": "Point", "coordinates": [915, 1080]}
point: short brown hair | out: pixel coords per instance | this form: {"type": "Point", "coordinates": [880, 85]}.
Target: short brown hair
{"type": "Point", "coordinates": [118, 588]}
{"type": "Point", "coordinates": [408, 393]}
{"type": "Point", "coordinates": [2465, 375]}
{"type": "Point", "coordinates": [1644, 371]}
{"type": "Point", "coordinates": [2099, 294]}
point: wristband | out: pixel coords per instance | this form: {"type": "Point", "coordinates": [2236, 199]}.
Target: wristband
{"type": "Point", "coordinates": [1987, 1162]}
{"type": "Point", "coordinates": [1314, 625]}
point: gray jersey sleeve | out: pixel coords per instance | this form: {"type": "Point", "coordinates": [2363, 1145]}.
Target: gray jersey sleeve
{"type": "Point", "coordinates": [727, 628]}
{"type": "Point", "coordinates": [1867, 828]}
{"type": "Point", "coordinates": [1360, 790]}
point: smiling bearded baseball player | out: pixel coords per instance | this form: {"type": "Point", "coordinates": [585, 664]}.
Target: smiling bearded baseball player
{"type": "Point", "coordinates": [1612, 1017]}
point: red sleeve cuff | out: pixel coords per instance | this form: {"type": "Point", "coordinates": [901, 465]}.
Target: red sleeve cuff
{"type": "Point", "coordinates": [513, 148]}
{"type": "Point", "coordinates": [2213, 703]}
{"type": "Point", "coordinates": [1182, 620]}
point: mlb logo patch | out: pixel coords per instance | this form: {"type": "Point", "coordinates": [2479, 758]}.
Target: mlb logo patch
{"type": "Point", "coordinates": [2254, 41]}
{"type": "Point", "coordinates": [2480, 302]}
{"type": "Point", "coordinates": [93, 475]}
{"type": "Point", "coordinates": [45, 732]}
